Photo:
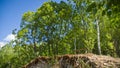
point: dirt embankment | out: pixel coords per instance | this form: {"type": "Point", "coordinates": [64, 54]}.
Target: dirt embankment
{"type": "Point", "coordinates": [75, 61]}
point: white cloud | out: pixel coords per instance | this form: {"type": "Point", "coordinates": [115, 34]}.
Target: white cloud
{"type": "Point", "coordinates": [9, 38]}
{"type": "Point", "coordinates": [2, 44]}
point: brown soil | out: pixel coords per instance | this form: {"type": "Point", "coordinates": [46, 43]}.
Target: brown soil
{"type": "Point", "coordinates": [75, 61]}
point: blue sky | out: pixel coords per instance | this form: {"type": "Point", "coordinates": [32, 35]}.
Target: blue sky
{"type": "Point", "coordinates": [11, 13]}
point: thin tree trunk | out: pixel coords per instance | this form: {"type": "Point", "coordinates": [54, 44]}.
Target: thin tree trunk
{"type": "Point", "coordinates": [35, 48]}
{"type": "Point", "coordinates": [75, 45]}
{"type": "Point", "coordinates": [98, 37]}
{"type": "Point", "coordinates": [49, 48]}
{"type": "Point", "coordinates": [33, 37]}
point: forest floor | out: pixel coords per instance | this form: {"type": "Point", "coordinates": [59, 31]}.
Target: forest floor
{"type": "Point", "coordinates": [75, 61]}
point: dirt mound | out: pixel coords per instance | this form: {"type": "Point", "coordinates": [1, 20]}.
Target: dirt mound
{"type": "Point", "coordinates": [75, 61]}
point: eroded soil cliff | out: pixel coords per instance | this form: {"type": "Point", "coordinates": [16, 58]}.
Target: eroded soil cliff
{"type": "Point", "coordinates": [75, 61]}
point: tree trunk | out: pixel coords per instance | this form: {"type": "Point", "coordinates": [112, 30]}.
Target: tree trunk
{"type": "Point", "coordinates": [98, 37]}
{"type": "Point", "coordinates": [75, 45]}
{"type": "Point", "coordinates": [35, 48]}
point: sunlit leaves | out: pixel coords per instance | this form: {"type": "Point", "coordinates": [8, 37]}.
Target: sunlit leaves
{"type": "Point", "coordinates": [28, 16]}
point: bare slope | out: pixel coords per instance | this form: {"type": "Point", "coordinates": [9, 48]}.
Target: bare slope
{"type": "Point", "coordinates": [75, 61]}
